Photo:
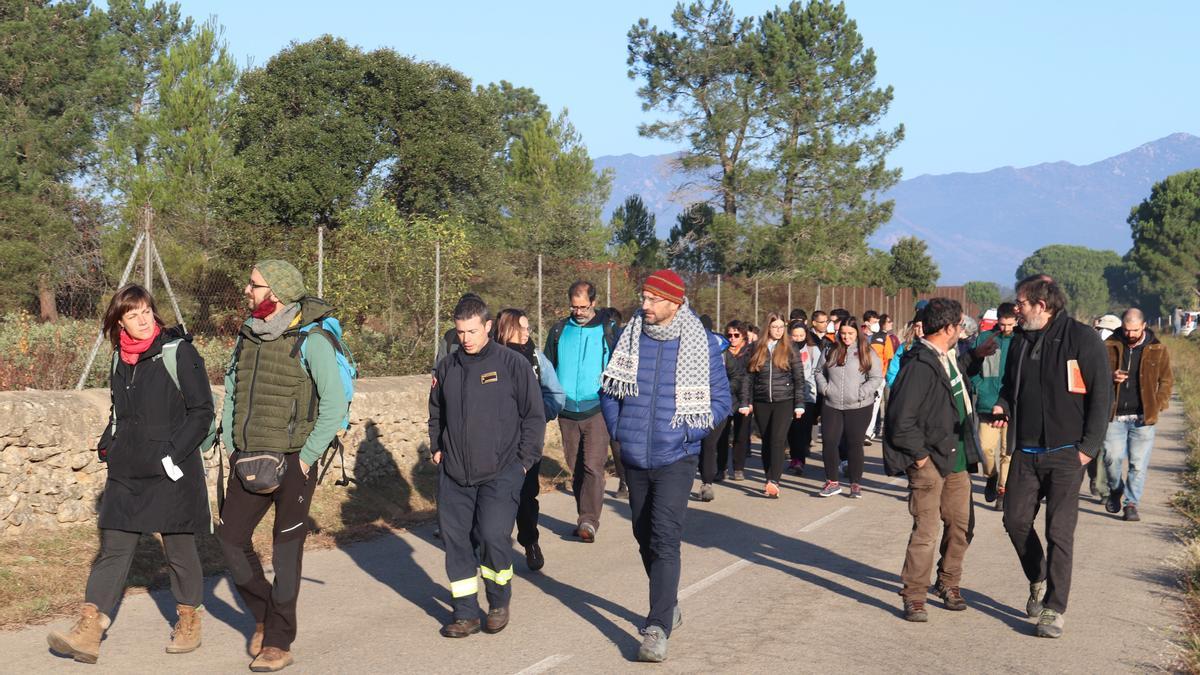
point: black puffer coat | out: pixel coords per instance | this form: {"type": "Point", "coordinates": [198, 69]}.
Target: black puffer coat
{"type": "Point", "coordinates": [772, 384]}
{"type": "Point", "coordinates": [154, 419]}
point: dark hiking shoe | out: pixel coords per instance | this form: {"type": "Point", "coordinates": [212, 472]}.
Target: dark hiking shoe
{"type": "Point", "coordinates": [622, 490]}
{"type": "Point", "coordinates": [989, 490]}
{"type": "Point", "coordinates": [1033, 606]}
{"type": "Point", "coordinates": [952, 598]}
{"type": "Point", "coordinates": [586, 533]}
{"type": "Point", "coordinates": [1113, 504]}
{"type": "Point", "coordinates": [654, 645]}
{"type": "Point", "coordinates": [1050, 624]}
{"type": "Point", "coordinates": [739, 475]}
{"type": "Point", "coordinates": [1131, 513]}
{"type": "Point", "coordinates": [460, 628]}
{"type": "Point", "coordinates": [497, 619]}
{"type": "Point", "coordinates": [82, 642]}
{"type": "Point", "coordinates": [914, 611]}
{"type": "Point", "coordinates": [720, 477]}
{"type": "Point", "coordinates": [271, 659]}
{"type": "Point", "coordinates": [534, 558]}
{"type": "Point", "coordinates": [1000, 501]}
{"type": "Point", "coordinates": [1092, 487]}
{"type": "Point", "coordinates": [832, 487]}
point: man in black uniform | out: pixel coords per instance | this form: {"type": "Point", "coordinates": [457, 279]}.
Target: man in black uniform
{"type": "Point", "coordinates": [484, 455]}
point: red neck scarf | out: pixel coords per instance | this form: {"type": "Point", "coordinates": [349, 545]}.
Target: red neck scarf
{"type": "Point", "coordinates": [264, 309]}
{"type": "Point", "coordinates": [132, 349]}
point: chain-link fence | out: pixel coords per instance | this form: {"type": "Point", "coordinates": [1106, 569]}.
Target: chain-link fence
{"type": "Point", "coordinates": [395, 295]}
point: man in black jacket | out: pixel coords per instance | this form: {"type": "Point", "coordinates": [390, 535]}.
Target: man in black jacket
{"type": "Point", "coordinates": [486, 424]}
{"type": "Point", "coordinates": [1055, 400]}
{"type": "Point", "coordinates": [931, 432]}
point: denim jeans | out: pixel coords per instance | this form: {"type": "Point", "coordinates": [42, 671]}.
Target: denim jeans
{"type": "Point", "coordinates": [1128, 438]}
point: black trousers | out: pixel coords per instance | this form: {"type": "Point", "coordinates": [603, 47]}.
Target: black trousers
{"type": "Point", "coordinates": [528, 509]}
{"type": "Point", "coordinates": [1056, 475]}
{"type": "Point", "coordinates": [714, 455]}
{"type": "Point", "coordinates": [618, 467]}
{"type": "Point", "coordinates": [774, 420]}
{"type": "Point", "coordinates": [272, 604]}
{"type": "Point", "coordinates": [658, 499]}
{"type": "Point", "coordinates": [847, 428]}
{"type": "Point", "coordinates": [482, 515]}
{"type": "Point", "coordinates": [106, 582]}
{"type": "Point", "coordinates": [800, 434]}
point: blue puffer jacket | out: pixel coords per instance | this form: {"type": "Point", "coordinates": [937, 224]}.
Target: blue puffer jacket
{"type": "Point", "coordinates": [642, 423]}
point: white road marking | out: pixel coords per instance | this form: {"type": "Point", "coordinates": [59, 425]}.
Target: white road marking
{"type": "Point", "coordinates": [733, 568]}
{"type": "Point", "coordinates": [546, 664]}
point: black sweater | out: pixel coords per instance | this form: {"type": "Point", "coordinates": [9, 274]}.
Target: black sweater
{"type": "Point", "coordinates": [485, 411]}
{"type": "Point", "coordinates": [1067, 419]}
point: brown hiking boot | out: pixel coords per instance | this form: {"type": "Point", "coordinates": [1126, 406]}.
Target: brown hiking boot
{"type": "Point", "coordinates": [952, 598]}
{"type": "Point", "coordinates": [185, 637]}
{"type": "Point", "coordinates": [460, 628]}
{"type": "Point", "coordinates": [914, 610]}
{"type": "Point", "coordinates": [255, 645]}
{"type": "Point", "coordinates": [271, 659]}
{"type": "Point", "coordinates": [497, 619]}
{"type": "Point", "coordinates": [82, 642]}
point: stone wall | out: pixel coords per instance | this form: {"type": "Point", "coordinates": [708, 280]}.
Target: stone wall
{"type": "Point", "coordinates": [50, 476]}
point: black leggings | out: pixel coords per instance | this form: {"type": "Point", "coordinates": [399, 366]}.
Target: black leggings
{"type": "Point", "coordinates": [847, 428]}
{"type": "Point", "coordinates": [774, 420]}
{"type": "Point", "coordinates": [106, 583]}
{"type": "Point", "coordinates": [800, 434]}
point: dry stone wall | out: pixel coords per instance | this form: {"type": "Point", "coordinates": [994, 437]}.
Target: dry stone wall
{"type": "Point", "coordinates": [50, 476]}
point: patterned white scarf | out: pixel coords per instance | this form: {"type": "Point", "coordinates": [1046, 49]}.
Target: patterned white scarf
{"type": "Point", "coordinates": [693, 405]}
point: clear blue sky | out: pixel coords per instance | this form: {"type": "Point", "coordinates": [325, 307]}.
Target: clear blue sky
{"type": "Point", "coordinates": [977, 84]}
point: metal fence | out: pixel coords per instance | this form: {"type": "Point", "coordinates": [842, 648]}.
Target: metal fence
{"type": "Point", "coordinates": [206, 295]}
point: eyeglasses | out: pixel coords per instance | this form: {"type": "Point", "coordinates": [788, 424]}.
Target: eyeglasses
{"type": "Point", "coordinates": [256, 286]}
{"type": "Point", "coordinates": [652, 300]}
{"type": "Point", "coordinates": [733, 335]}
{"type": "Point", "coordinates": [580, 308]}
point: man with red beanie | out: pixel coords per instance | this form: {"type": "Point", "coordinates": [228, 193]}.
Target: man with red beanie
{"type": "Point", "coordinates": [664, 389]}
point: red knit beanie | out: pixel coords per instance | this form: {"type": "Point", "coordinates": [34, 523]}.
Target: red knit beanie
{"type": "Point", "coordinates": [665, 284]}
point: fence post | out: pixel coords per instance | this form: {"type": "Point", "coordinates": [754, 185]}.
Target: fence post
{"type": "Point", "coordinates": [817, 302]}
{"type": "Point", "coordinates": [607, 287]}
{"type": "Point", "coordinates": [437, 298]}
{"type": "Point", "coordinates": [321, 261]}
{"type": "Point", "coordinates": [756, 321]}
{"type": "Point", "coordinates": [148, 252]}
{"type": "Point", "coordinates": [718, 298]}
{"type": "Point", "coordinates": [541, 336]}
{"type": "Point", "coordinates": [789, 300]}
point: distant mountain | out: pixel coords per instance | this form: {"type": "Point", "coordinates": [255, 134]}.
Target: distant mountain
{"type": "Point", "coordinates": [980, 225]}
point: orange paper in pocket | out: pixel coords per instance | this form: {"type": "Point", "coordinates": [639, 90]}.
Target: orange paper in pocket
{"type": "Point", "coordinates": [1075, 383]}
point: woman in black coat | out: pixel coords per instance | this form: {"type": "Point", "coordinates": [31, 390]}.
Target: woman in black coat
{"type": "Point", "coordinates": [155, 470]}
{"type": "Point", "coordinates": [779, 389]}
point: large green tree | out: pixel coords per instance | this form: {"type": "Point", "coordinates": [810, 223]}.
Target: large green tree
{"type": "Point", "coordinates": [518, 108]}
{"type": "Point", "coordinates": [553, 194]}
{"type": "Point", "coordinates": [634, 240]}
{"type": "Point", "coordinates": [822, 113]}
{"type": "Point", "coordinates": [1079, 271]}
{"type": "Point", "coordinates": [58, 80]}
{"type": "Point", "coordinates": [912, 267]}
{"type": "Point", "coordinates": [700, 75]}
{"type": "Point", "coordinates": [983, 294]}
{"type": "Point", "coordinates": [1166, 242]}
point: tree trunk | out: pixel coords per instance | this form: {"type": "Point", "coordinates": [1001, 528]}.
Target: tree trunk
{"type": "Point", "coordinates": [46, 299]}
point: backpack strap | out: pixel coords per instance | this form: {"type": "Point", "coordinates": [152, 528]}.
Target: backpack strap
{"type": "Point", "coordinates": [170, 359]}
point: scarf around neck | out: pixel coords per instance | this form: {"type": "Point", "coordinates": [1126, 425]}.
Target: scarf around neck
{"type": "Point", "coordinates": [693, 406]}
{"type": "Point", "coordinates": [132, 349]}
{"type": "Point", "coordinates": [270, 329]}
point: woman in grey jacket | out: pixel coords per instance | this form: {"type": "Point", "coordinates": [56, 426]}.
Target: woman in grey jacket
{"type": "Point", "coordinates": [848, 379]}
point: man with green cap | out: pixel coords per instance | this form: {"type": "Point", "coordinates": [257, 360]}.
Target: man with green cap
{"type": "Point", "coordinates": [287, 401]}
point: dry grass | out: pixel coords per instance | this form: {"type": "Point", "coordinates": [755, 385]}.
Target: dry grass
{"type": "Point", "coordinates": [43, 574]}
{"type": "Point", "coordinates": [1185, 358]}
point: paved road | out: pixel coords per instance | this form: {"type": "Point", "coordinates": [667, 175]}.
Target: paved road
{"type": "Point", "coordinates": [797, 585]}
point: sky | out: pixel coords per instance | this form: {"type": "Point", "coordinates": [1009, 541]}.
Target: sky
{"type": "Point", "coordinates": [978, 85]}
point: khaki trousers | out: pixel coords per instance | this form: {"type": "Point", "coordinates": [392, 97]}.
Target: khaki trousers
{"type": "Point", "coordinates": [935, 500]}
{"type": "Point", "coordinates": [994, 443]}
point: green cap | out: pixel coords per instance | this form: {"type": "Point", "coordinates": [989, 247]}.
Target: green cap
{"type": "Point", "coordinates": [285, 280]}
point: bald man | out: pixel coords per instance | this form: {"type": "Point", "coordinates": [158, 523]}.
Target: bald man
{"type": "Point", "coordinates": [1142, 384]}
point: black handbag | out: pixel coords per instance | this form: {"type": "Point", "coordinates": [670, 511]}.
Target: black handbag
{"type": "Point", "coordinates": [260, 472]}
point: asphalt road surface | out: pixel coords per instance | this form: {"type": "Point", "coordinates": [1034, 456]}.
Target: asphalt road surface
{"type": "Point", "coordinates": [799, 584]}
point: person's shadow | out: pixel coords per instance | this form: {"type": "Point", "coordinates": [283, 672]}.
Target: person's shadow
{"type": "Point", "coordinates": [380, 500]}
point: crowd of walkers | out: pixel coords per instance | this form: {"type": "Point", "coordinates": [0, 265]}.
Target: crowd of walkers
{"type": "Point", "coordinates": [1023, 395]}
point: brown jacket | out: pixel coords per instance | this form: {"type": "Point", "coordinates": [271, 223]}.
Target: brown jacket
{"type": "Point", "coordinates": [1154, 375]}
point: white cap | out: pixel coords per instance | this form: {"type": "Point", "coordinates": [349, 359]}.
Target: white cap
{"type": "Point", "coordinates": [1109, 322]}
{"type": "Point", "coordinates": [990, 315]}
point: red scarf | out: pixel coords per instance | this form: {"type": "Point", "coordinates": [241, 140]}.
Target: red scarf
{"type": "Point", "coordinates": [132, 349]}
{"type": "Point", "coordinates": [264, 309]}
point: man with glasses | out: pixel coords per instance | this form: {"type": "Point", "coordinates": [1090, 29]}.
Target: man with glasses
{"type": "Point", "coordinates": [1055, 401]}
{"type": "Point", "coordinates": [664, 390]}
{"type": "Point", "coordinates": [579, 347]}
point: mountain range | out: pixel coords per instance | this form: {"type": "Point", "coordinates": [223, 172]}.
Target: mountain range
{"type": "Point", "coordinates": [979, 226]}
